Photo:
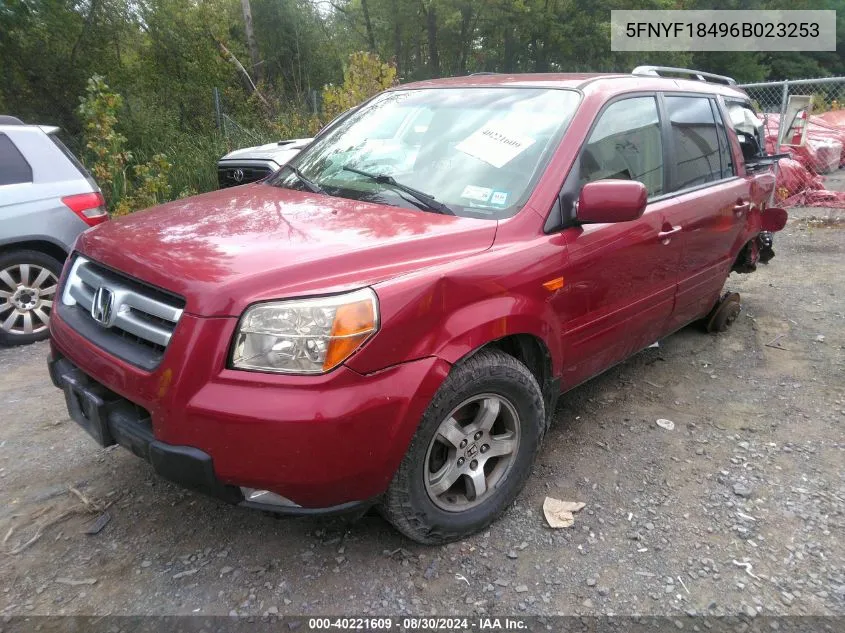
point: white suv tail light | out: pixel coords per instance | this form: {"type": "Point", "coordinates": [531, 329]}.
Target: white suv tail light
{"type": "Point", "coordinates": [90, 207]}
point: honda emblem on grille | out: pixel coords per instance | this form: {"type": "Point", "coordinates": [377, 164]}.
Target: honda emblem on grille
{"type": "Point", "coordinates": [102, 307]}
{"type": "Point", "coordinates": [238, 175]}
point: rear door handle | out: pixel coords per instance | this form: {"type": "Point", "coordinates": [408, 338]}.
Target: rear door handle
{"type": "Point", "coordinates": [664, 235]}
{"type": "Point", "coordinates": [742, 207]}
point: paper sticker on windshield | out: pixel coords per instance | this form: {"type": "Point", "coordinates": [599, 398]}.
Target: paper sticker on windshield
{"type": "Point", "coordinates": [499, 198]}
{"type": "Point", "coordinates": [479, 194]}
{"type": "Point", "coordinates": [495, 144]}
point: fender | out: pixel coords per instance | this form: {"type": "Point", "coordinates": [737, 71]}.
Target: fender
{"type": "Point", "coordinates": [486, 321]}
{"type": "Point", "coordinates": [455, 315]}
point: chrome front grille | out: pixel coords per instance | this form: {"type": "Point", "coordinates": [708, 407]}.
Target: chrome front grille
{"type": "Point", "coordinates": [234, 175]}
{"type": "Point", "coordinates": [127, 318]}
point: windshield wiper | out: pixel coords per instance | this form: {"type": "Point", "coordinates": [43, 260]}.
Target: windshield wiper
{"type": "Point", "coordinates": [312, 186]}
{"type": "Point", "coordinates": [383, 179]}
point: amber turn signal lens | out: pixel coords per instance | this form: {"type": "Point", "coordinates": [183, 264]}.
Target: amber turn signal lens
{"type": "Point", "coordinates": [353, 324]}
{"type": "Point", "coordinates": [554, 284]}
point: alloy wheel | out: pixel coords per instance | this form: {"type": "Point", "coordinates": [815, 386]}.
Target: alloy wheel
{"type": "Point", "coordinates": [27, 292]}
{"type": "Point", "coordinates": [472, 452]}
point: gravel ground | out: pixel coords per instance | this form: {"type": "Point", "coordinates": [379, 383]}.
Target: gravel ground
{"type": "Point", "coordinates": [738, 509]}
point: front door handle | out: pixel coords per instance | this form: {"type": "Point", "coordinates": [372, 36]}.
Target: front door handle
{"type": "Point", "coordinates": [665, 235]}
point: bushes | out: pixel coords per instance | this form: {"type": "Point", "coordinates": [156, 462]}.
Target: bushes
{"type": "Point", "coordinates": [127, 185]}
{"type": "Point", "coordinates": [166, 162]}
{"type": "Point", "coordinates": [364, 76]}
{"type": "Point", "coordinates": [149, 186]}
{"type": "Point", "coordinates": [105, 148]}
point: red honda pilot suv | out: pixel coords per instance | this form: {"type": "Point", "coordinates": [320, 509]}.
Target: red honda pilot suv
{"type": "Point", "coordinates": [389, 319]}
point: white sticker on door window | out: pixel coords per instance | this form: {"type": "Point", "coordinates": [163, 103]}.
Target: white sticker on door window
{"type": "Point", "coordinates": [495, 144]}
{"type": "Point", "coordinates": [479, 194]}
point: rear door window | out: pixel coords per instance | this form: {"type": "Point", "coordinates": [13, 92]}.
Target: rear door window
{"type": "Point", "coordinates": [625, 144]}
{"type": "Point", "coordinates": [13, 166]}
{"type": "Point", "coordinates": [695, 141]}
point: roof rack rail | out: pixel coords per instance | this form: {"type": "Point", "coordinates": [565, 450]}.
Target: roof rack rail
{"type": "Point", "coordinates": [5, 119]}
{"type": "Point", "coordinates": [483, 72]}
{"type": "Point", "coordinates": [685, 73]}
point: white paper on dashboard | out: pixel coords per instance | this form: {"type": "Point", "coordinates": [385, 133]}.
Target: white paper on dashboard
{"type": "Point", "coordinates": [494, 144]}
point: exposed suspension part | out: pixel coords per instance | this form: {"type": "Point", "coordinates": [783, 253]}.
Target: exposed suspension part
{"type": "Point", "coordinates": [758, 250]}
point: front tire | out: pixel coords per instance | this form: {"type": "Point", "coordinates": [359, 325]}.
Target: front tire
{"type": "Point", "coordinates": [28, 282]}
{"type": "Point", "coordinates": [472, 452]}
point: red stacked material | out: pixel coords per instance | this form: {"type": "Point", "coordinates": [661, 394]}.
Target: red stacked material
{"type": "Point", "coordinates": [823, 147]}
{"type": "Point", "coordinates": [817, 198]}
{"type": "Point", "coordinates": [835, 118]}
{"type": "Point", "coordinates": [820, 127]}
{"type": "Point", "coordinates": [799, 184]}
{"type": "Point", "coordinates": [793, 178]}
{"type": "Point", "coordinates": [797, 187]}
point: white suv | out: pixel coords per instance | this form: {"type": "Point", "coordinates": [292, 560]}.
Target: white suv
{"type": "Point", "coordinates": [47, 199]}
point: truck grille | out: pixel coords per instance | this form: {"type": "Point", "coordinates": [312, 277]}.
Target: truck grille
{"type": "Point", "coordinates": [125, 317]}
{"type": "Point", "coordinates": [231, 176]}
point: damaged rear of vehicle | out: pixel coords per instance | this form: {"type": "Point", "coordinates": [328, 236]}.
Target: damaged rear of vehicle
{"type": "Point", "coordinates": [750, 128]}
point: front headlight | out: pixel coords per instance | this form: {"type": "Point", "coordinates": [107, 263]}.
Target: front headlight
{"type": "Point", "coordinates": [305, 336]}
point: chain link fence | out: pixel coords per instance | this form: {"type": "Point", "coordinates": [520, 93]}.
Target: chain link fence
{"type": "Point", "coordinates": [238, 136]}
{"type": "Point", "coordinates": [235, 134]}
{"type": "Point", "coordinates": [813, 134]}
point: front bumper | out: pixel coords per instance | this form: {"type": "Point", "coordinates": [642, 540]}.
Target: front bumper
{"type": "Point", "coordinates": [326, 443]}
{"type": "Point", "coordinates": [110, 420]}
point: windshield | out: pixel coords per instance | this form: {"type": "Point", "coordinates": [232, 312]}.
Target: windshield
{"type": "Point", "coordinates": [479, 151]}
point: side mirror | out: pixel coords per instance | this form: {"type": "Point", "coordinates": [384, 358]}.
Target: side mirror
{"type": "Point", "coordinates": [611, 201]}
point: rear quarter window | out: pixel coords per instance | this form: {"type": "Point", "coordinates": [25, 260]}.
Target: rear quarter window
{"type": "Point", "coordinates": [724, 145]}
{"type": "Point", "coordinates": [70, 156]}
{"type": "Point", "coordinates": [13, 166]}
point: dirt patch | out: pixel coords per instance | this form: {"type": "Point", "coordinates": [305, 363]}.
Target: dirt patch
{"type": "Point", "coordinates": [753, 472]}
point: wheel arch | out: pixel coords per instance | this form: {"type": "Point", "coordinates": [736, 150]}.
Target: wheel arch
{"type": "Point", "coordinates": [40, 245]}
{"type": "Point", "coordinates": [533, 352]}
{"type": "Point", "coordinates": [492, 318]}
{"type": "Point", "coordinates": [531, 335]}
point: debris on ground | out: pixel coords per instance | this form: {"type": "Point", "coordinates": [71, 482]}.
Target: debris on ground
{"type": "Point", "coordinates": [774, 342]}
{"type": "Point", "coordinates": [747, 566]}
{"type": "Point", "coordinates": [666, 424]}
{"type": "Point", "coordinates": [741, 490]}
{"type": "Point", "coordinates": [76, 583]}
{"type": "Point", "coordinates": [97, 525]}
{"type": "Point", "coordinates": [559, 514]}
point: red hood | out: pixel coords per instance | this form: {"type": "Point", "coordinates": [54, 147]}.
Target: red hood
{"type": "Point", "coordinates": [226, 249]}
